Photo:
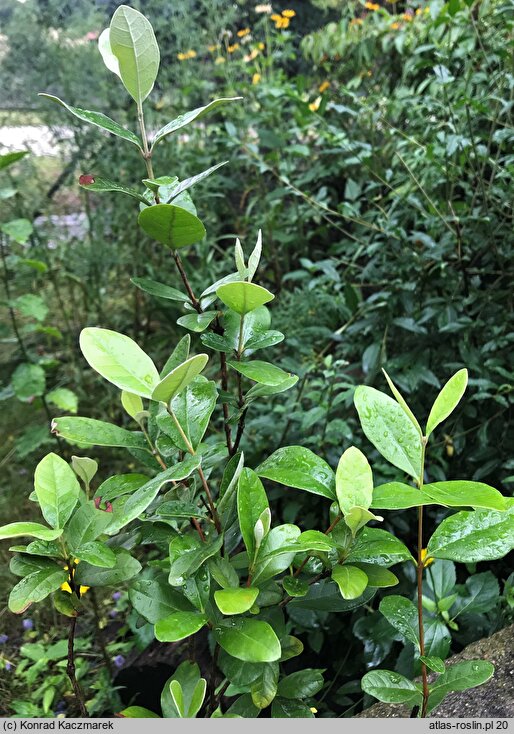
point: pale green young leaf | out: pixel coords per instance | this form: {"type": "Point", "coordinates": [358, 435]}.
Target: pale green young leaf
{"type": "Point", "coordinates": [119, 360]}
{"type": "Point", "coordinates": [18, 230]}
{"type": "Point", "coordinates": [89, 431]}
{"type": "Point", "coordinates": [188, 117]}
{"type": "Point", "coordinates": [354, 480]}
{"type": "Point", "coordinates": [401, 400]}
{"type": "Point", "coordinates": [378, 576]}
{"type": "Point", "coordinates": [84, 467]}
{"type": "Point", "coordinates": [239, 257]}
{"type": "Point", "coordinates": [132, 41]}
{"type": "Point", "coordinates": [109, 59]}
{"type": "Point", "coordinates": [132, 404]}
{"type": "Point", "coordinates": [255, 257]}
{"type": "Point", "coordinates": [351, 580]}
{"type": "Point", "coordinates": [246, 639]}
{"type": "Point", "coordinates": [178, 379]}
{"type": "Point", "coordinates": [57, 489]}
{"type": "Point", "coordinates": [264, 373]}
{"type": "Point", "coordinates": [251, 502]}
{"type": "Point", "coordinates": [171, 225]}
{"type": "Point", "coordinates": [179, 625]}
{"type": "Point", "coordinates": [243, 297]}
{"type": "Point", "coordinates": [29, 529]}
{"type": "Point", "coordinates": [63, 399]}
{"type": "Point", "coordinates": [236, 601]}
{"type": "Point", "coordinates": [177, 696]}
{"type": "Point", "coordinates": [358, 517]}
{"type": "Point", "coordinates": [447, 400]}
{"type": "Point", "coordinates": [197, 322]}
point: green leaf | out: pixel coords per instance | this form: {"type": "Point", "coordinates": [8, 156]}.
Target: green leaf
{"type": "Point", "coordinates": [326, 597]}
{"type": "Point", "coordinates": [447, 400]}
{"type": "Point", "coordinates": [243, 297]}
{"type": "Point", "coordinates": [7, 159]}
{"type": "Point", "coordinates": [29, 529]}
{"type": "Point", "coordinates": [86, 524]}
{"type": "Point", "coordinates": [97, 554]}
{"type": "Point", "coordinates": [125, 568]}
{"type": "Point", "coordinates": [459, 677]}
{"type": "Point", "coordinates": [105, 185]}
{"type": "Point", "coordinates": [261, 372]}
{"type": "Point", "coordinates": [57, 490]}
{"type": "Point", "coordinates": [193, 409]}
{"type": "Point", "coordinates": [28, 381]}
{"type": "Point", "coordinates": [296, 466]}
{"type": "Point", "coordinates": [378, 576]}
{"type": "Point", "coordinates": [137, 712]}
{"type": "Point", "coordinates": [189, 182]}
{"type": "Point", "coordinates": [132, 404]}
{"type": "Point", "coordinates": [88, 431]}
{"type": "Point", "coordinates": [351, 581]}
{"type": "Point", "coordinates": [277, 552]}
{"type": "Point", "coordinates": [197, 322]}
{"type": "Point", "coordinates": [283, 708]}
{"type": "Point", "coordinates": [264, 687]}
{"type": "Point", "coordinates": [389, 429]}
{"type": "Point", "coordinates": [109, 59]}
{"type": "Point", "coordinates": [187, 692]}
{"type": "Point", "coordinates": [433, 663]}
{"type": "Point", "coordinates": [98, 119]}
{"type": "Point", "coordinates": [18, 230]}
{"type": "Point", "coordinates": [159, 289]}
{"type": "Point", "coordinates": [302, 684]}
{"type": "Point", "coordinates": [120, 484]}
{"type": "Point", "coordinates": [32, 306]}
{"type": "Point", "coordinates": [403, 616]}
{"type": "Point", "coordinates": [354, 480]}
{"type": "Point", "coordinates": [358, 517]}
{"type": "Point", "coordinates": [295, 587]}
{"type": "Point", "coordinates": [133, 42]}
{"type": "Point", "coordinates": [129, 507]}
{"type": "Point", "coordinates": [465, 494]}
{"type": "Point", "coordinates": [36, 587]}
{"type": "Point", "coordinates": [63, 399]}
{"type": "Point", "coordinates": [188, 117]}
{"type": "Point", "coordinates": [154, 599]}
{"type": "Point", "coordinates": [400, 399]}
{"type": "Point", "coordinates": [178, 379]}
{"type": "Point", "coordinates": [251, 503]}
{"type": "Point", "coordinates": [235, 601]}
{"type": "Point", "coordinates": [179, 625]}
{"type": "Point", "coordinates": [119, 360]}
{"type": "Point", "coordinates": [398, 496]}
{"type": "Point", "coordinates": [391, 687]}
{"type": "Point", "coordinates": [259, 391]}
{"type": "Point", "coordinates": [188, 554]}
{"type": "Point", "coordinates": [380, 547]}
{"type": "Point", "coordinates": [469, 537]}
{"type": "Point", "coordinates": [248, 639]}
{"type": "Point", "coordinates": [172, 225]}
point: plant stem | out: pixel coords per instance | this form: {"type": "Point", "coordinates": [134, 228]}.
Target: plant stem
{"type": "Point", "coordinates": [147, 154]}
{"type": "Point", "coordinates": [194, 300]}
{"type": "Point", "coordinates": [242, 417]}
{"type": "Point", "coordinates": [155, 453]}
{"type": "Point", "coordinates": [70, 670]}
{"type": "Point", "coordinates": [419, 574]}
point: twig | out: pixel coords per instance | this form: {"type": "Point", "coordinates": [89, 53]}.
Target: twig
{"type": "Point", "coordinates": [70, 670]}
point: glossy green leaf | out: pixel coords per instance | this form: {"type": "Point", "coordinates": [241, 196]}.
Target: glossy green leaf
{"type": "Point", "coordinates": [97, 554]}
{"type": "Point", "coordinates": [188, 554]}
{"type": "Point", "coordinates": [197, 322]}
{"type": "Point", "coordinates": [178, 379]}
{"type": "Point", "coordinates": [133, 42]}
{"type": "Point", "coordinates": [260, 391]}
{"type": "Point", "coordinates": [179, 625]}
{"type": "Point", "coordinates": [235, 601]}
{"type": "Point", "coordinates": [98, 119]}
{"type": "Point", "coordinates": [120, 484]}
{"type": "Point", "coordinates": [401, 400]}
{"type": "Point", "coordinates": [465, 494]}
{"type": "Point", "coordinates": [433, 663]}
{"type": "Point", "coordinates": [294, 586]}
{"type": "Point", "coordinates": [125, 568]}
{"type": "Point", "coordinates": [159, 289]}
{"type": "Point", "coordinates": [402, 615]}
{"type": "Point", "coordinates": [354, 480]}
{"type": "Point", "coordinates": [378, 576]}
{"type": "Point", "coordinates": [171, 225]}
{"type": "Point", "coordinates": [57, 489]}
{"type": "Point", "coordinates": [277, 552]}
{"type": "Point", "coordinates": [351, 581]}
{"type": "Point", "coordinates": [358, 517]}
{"type": "Point", "coordinates": [36, 586]}
{"type": "Point", "coordinates": [470, 537]}
{"type": "Point", "coordinates": [302, 684]}
{"type": "Point", "coordinates": [378, 546]}
{"type": "Point", "coordinates": [88, 431]}
{"type": "Point", "coordinates": [102, 185]}
{"type": "Point", "coordinates": [86, 524]}
{"type": "Point", "coordinates": [137, 712]}
{"type": "Point", "coordinates": [188, 117]}
{"type": "Point", "coordinates": [119, 360]}
{"type": "Point", "coordinates": [187, 183]}
{"type": "Point", "coordinates": [398, 496]}
{"type": "Point", "coordinates": [389, 429]}
{"type": "Point", "coordinates": [29, 529]}
{"type": "Point", "coordinates": [132, 404]}
{"type": "Point", "coordinates": [447, 400]}
{"type": "Point", "coordinates": [251, 502]}
{"type": "Point", "coordinates": [299, 467]}
{"type": "Point", "coordinates": [248, 639]}
{"type": "Point", "coordinates": [264, 687]}
{"type": "Point", "coordinates": [283, 708]}
{"type": "Point", "coordinates": [391, 687]}
{"type": "Point", "coordinates": [243, 297]}
{"type": "Point", "coordinates": [154, 599]}
{"type": "Point", "coordinates": [326, 597]}
{"type": "Point", "coordinates": [459, 677]}
{"type": "Point", "coordinates": [261, 372]}
{"type": "Point", "coordinates": [193, 408]}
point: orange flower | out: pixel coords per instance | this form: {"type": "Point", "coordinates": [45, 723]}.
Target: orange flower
{"type": "Point", "coordinates": [256, 78]}
{"type": "Point", "coordinates": [243, 32]}
{"type": "Point", "coordinates": [323, 86]}
{"type": "Point", "coordinates": [232, 48]}
{"type": "Point", "coordinates": [395, 26]}
{"type": "Point", "coordinates": [372, 6]}
{"type": "Point", "coordinates": [407, 17]}
{"type": "Point", "coordinates": [356, 21]}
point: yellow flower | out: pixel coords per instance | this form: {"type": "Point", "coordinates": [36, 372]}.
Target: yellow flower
{"type": "Point", "coordinates": [261, 46]}
{"type": "Point", "coordinates": [181, 56]}
{"type": "Point", "coordinates": [288, 13]}
{"type": "Point", "coordinates": [427, 10]}
{"type": "Point", "coordinates": [256, 78]}
{"type": "Point", "coordinates": [252, 55]}
{"type": "Point", "coordinates": [407, 17]}
{"type": "Point", "coordinates": [212, 47]}
{"type": "Point", "coordinates": [418, 11]}
{"type": "Point", "coordinates": [67, 586]}
{"type": "Point", "coordinates": [187, 55]}
{"type": "Point", "coordinates": [232, 48]}
{"type": "Point", "coordinates": [323, 86]}
{"type": "Point", "coordinates": [426, 561]}
{"type": "Point", "coordinates": [244, 32]}
{"type": "Point", "coordinates": [191, 54]}
{"type": "Point", "coordinates": [314, 106]}
{"type": "Point", "coordinates": [276, 17]}
{"type": "Point", "coordinates": [372, 6]}
{"type": "Point", "coordinates": [356, 21]}
{"type": "Point", "coordinates": [395, 26]}
{"type": "Point", "coordinates": [219, 60]}
{"type": "Point", "coordinates": [313, 710]}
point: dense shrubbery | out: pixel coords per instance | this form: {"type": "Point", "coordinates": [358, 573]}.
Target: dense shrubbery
{"type": "Point", "coordinates": [375, 154]}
